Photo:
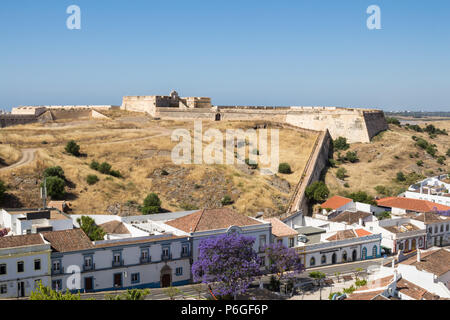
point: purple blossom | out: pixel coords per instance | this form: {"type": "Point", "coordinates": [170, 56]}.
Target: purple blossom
{"type": "Point", "coordinates": [227, 261]}
{"type": "Point", "coordinates": [283, 261]}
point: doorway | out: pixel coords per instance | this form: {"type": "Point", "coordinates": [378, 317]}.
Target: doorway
{"type": "Point", "coordinates": [218, 116]}
{"type": "Point", "coordinates": [21, 289]}
{"type": "Point", "coordinates": [117, 280]}
{"type": "Point", "coordinates": [333, 258]}
{"type": "Point", "coordinates": [354, 255]}
{"type": "Point", "coordinates": [166, 277]}
{"type": "Point", "coordinates": [88, 284]}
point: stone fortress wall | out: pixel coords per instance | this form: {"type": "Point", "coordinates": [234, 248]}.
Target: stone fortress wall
{"type": "Point", "coordinates": [357, 125]}
{"type": "Point", "coordinates": [31, 114]}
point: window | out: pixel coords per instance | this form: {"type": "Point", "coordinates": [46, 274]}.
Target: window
{"type": "Point", "coordinates": [435, 229]}
{"type": "Point", "coordinates": [291, 242]}
{"type": "Point", "coordinates": [442, 228]}
{"type": "Point", "coordinates": [117, 257]}
{"type": "Point", "coordinates": [430, 230]}
{"type": "Point", "coordinates": [312, 262]}
{"type": "Point", "coordinates": [165, 251]}
{"type": "Point", "coordinates": [324, 259]}
{"type": "Point", "coordinates": [2, 268]}
{"type": "Point", "coordinates": [135, 278]}
{"type": "Point", "coordinates": [179, 271]}
{"type": "Point", "coordinates": [88, 261]}
{"type": "Point", "coordinates": [280, 241]}
{"type": "Point", "coordinates": [144, 254]}
{"type": "Point", "coordinates": [400, 246]}
{"type": "Point", "coordinates": [185, 250]}
{"type": "Point", "coordinates": [262, 241]}
{"type": "Point", "coordinates": [56, 265]}
{"type": "Point", "coordinates": [57, 285]}
{"type": "Point", "coordinates": [20, 266]}
{"type": "Point", "coordinates": [446, 228]}
{"type": "Point", "coordinates": [3, 289]}
{"type": "Point", "coordinates": [374, 251]}
{"type": "Point", "coordinates": [344, 256]}
{"type": "Point", "coordinates": [37, 264]}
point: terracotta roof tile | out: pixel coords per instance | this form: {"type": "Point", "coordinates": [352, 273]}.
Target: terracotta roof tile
{"type": "Point", "coordinates": [417, 293]}
{"type": "Point", "coordinates": [68, 240]}
{"type": "Point", "coordinates": [350, 217]}
{"type": "Point", "coordinates": [342, 235]}
{"type": "Point", "coordinates": [114, 227]}
{"type": "Point", "coordinates": [211, 219]}
{"type": "Point", "coordinates": [335, 202]}
{"type": "Point", "coordinates": [411, 204]}
{"type": "Point", "coordinates": [279, 229]}
{"type": "Point", "coordinates": [20, 241]}
{"type": "Point", "coordinates": [362, 232]}
{"type": "Point", "coordinates": [137, 241]}
{"type": "Point", "coordinates": [364, 295]}
{"type": "Point", "coordinates": [434, 261]}
{"type": "Point", "coordinates": [430, 217]}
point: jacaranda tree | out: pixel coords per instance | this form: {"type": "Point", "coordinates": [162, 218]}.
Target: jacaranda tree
{"type": "Point", "coordinates": [228, 262]}
{"type": "Point", "coordinates": [282, 261]}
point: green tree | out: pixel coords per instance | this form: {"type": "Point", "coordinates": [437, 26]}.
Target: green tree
{"type": "Point", "coordinates": [362, 197]}
{"type": "Point", "coordinates": [393, 121]}
{"type": "Point", "coordinates": [419, 163]}
{"type": "Point", "coordinates": [54, 172]}
{"type": "Point", "coordinates": [340, 144]}
{"type": "Point", "coordinates": [317, 191]}
{"type": "Point", "coordinates": [284, 168]}
{"type": "Point", "coordinates": [441, 160]}
{"type": "Point", "coordinates": [73, 148]}
{"type": "Point", "coordinates": [45, 293]}
{"type": "Point", "coordinates": [341, 173]}
{"type": "Point", "coordinates": [448, 152]}
{"type": "Point", "coordinates": [55, 187]}
{"type": "Point", "coordinates": [172, 292]}
{"type": "Point", "coordinates": [92, 179]}
{"type": "Point", "coordinates": [318, 276]}
{"type": "Point", "coordinates": [94, 232]}
{"type": "Point", "coordinates": [152, 204]}
{"type": "Point", "coordinates": [94, 165]}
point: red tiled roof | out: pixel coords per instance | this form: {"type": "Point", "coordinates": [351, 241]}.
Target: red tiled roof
{"type": "Point", "coordinates": [362, 232]}
{"type": "Point", "coordinates": [411, 204]}
{"type": "Point", "coordinates": [279, 229]}
{"type": "Point", "coordinates": [415, 292]}
{"type": "Point", "coordinates": [211, 219]}
{"type": "Point", "coordinates": [137, 241]}
{"type": "Point", "coordinates": [335, 202]}
{"type": "Point", "coordinates": [433, 261]}
{"type": "Point", "coordinates": [364, 295]}
{"type": "Point", "coordinates": [68, 240]}
{"type": "Point", "coordinates": [20, 241]}
{"type": "Point", "coordinates": [114, 227]}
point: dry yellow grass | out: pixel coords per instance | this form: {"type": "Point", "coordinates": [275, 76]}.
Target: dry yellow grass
{"type": "Point", "coordinates": [388, 154]}
{"type": "Point", "coordinates": [138, 148]}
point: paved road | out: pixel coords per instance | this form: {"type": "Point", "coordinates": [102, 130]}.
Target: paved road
{"type": "Point", "coordinates": [28, 155]}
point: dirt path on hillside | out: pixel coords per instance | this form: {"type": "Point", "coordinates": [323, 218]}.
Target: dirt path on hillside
{"type": "Point", "coordinates": [28, 155]}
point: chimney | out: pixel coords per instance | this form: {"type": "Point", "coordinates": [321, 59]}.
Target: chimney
{"type": "Point", "coordinates": [360, 222]}
{"type": "Point", "coordinates": [393, 263]}
{"type": "Point", "coordinates": [418, 255]}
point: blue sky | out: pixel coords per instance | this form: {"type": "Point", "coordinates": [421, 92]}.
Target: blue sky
{"type": "Point", "coordinates": [237, 52]}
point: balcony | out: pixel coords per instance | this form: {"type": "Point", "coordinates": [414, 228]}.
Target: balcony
{"type": "Point", "coordinates": [185, 254]}
{"type": "Point", "coordinates": [165, 257]}
{"type": "Point", "coordinates": [89, 268]}
{"type": "Point", "coordinates": [57, 271]}
{"type": "Point", "coordinates": [145, 260]}
{"type": "Point", "coordinates": [116, 264]}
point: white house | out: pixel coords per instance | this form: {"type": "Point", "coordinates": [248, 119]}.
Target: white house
{"type": "Point", "coordinates": [24, 261]}
{"type": "Point", "coordinates": [27, 221]}
{"type": "Point", "coordinates": [399, 234]}
{"type": "Point", "coordinates": [281, 233]}
{"type": "Point", "coordinates": [208, 223]}
{"type": "Point", "coordinates": [437, 227]}
{"type": "Point", "coordinates": [401, 206]}
{"type": "Point", "coordinates": [434, 189]}
{"type": "Point", "coordinates": [140, 262]}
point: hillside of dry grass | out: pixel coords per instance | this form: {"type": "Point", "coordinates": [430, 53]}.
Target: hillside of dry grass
{"type": "Point", "coordinates": [140, 148]}
{"type": "Point", "coordinates": [390, 152]}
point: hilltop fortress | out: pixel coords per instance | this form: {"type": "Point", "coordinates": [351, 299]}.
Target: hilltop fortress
{"type": "Point", "coordinates": [357, 125]}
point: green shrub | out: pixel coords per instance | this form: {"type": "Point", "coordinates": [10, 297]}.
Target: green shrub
{"type": "Point", "coordinates": [332, 163]}
{"type": "Point", "coordinates": [441, 160]}
{"type": "Point", "coordinates": [340, 144]}
{"type": "Point", "coordinates": [55, 187]}
{"type": "Point", "coordinates": [92, 179]}
{"type": "Point", "coordinates": [115, 173]}
{"type": "Point", "coordinates": [73, 148]}
{"type": "Point", "coordinates": [150, 210]}
{"type": "Point", "coordinates": [352, 156]}
{"type": "Point", "coordinates": [419, 163]}
{"type": "Point", "coordinates": [401, 176]}
{"type": "Point", "coordinates": [393, 121]}
{"type": "Point", "coordinates": [341, 173]}
{"type": "Point", "coordinates": [346, 185]}
{"type": "Point", "coordinates": [226, 200]}
{"type": "Point", "coordinates": [164, 172]}
{"type": "Point", "coordinates": [448, 152]}
{"type": "Point", "coordinates": [251, 164]}
{"type": "Point", "coordinates": [94, 165]}
{"type": "Point", "coordinates": [105, 168]}
{"type": "Point", "coordinates": [362, 197]}
{"type": "Point", "coordinates": [284, 168]}
{"type": "Point", "coordinates": [152, 204]}
{"type": "Point", "coordinates": [54, 172]}
{"type": "Point", "coordinates": [188, 206]}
